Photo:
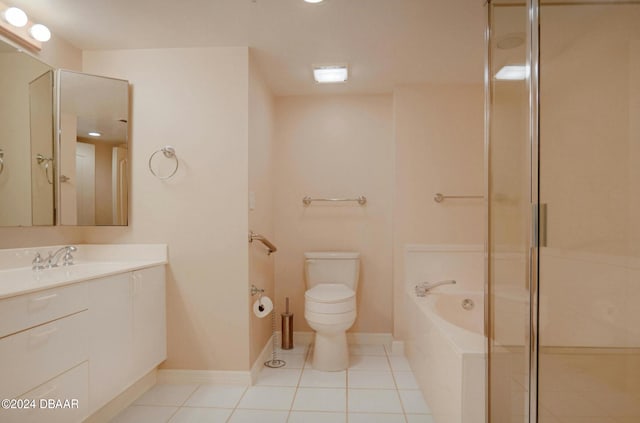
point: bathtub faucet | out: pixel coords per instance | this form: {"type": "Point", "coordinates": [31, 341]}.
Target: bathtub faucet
{"type": "Point", "coordinates": [424, 287]}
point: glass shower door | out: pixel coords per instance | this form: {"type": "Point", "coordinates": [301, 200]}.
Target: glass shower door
{"type": "Point", "coordinates": [508, 158]}
{"type": "Point", "coordinates": [589, 179]}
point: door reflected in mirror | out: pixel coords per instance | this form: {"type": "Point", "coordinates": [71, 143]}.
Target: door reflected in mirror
{"type": "Point", "coordinates": [93, 153]}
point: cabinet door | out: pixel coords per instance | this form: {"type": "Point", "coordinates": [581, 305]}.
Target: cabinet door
{"type": "Point", "coordinates": [111, 338]}
{"type": "Point", "coordinates": [149, 320]}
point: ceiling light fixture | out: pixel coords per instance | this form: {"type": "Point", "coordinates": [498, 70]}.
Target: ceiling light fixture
{"type": "Point", "coordinates": [95, 134]}
{"type": "Point", "coordinates": [313, 1]}
{"type": "Point", "coordinates": [330, 74]}
{"type": "Point", "coordinates": [512, 73]}
{"type": "Point", "coordinates": [15, 17]}
{"type": "Point", "coordinates": [40, 33]}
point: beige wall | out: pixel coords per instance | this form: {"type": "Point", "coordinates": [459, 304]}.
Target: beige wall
{"type": "Point", "coordinates": [196, 100]}
{"type": "Point", "coordinates": [261, 266]}
{"type": "Point", "coordinates": [335, 146]}
{"type": "Point", "coordinates": [439, 148]}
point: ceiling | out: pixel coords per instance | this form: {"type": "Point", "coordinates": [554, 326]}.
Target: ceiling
{"type": "Point", "coordinates": [384, 42]}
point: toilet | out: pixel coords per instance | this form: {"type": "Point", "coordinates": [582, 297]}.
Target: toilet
{"type": "Point", "coordinates": [330, 305]}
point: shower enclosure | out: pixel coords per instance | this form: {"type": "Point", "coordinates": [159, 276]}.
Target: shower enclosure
{"type": "Point", "coordinates": [563, 212]}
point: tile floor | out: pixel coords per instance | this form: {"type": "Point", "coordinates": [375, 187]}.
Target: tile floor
{"type": "Point", "coordinates": [377, 388]}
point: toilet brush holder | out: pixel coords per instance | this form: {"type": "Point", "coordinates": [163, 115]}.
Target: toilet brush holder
{"type": "Point", "coordinates": [287, 328]}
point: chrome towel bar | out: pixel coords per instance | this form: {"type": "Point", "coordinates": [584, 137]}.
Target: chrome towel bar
{"type": "Point", "coordinates": [257, 237]}
{"type": "Point", "coordinates": [362, 200]}
{"type": "Point", "coordinates": [439, 198]}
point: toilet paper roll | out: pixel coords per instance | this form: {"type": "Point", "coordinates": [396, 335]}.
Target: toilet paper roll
{"type": "Point", "coordinates": [262, 307]}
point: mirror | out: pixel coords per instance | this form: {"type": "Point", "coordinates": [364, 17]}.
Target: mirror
{"type": "Point", "coordinates": [26, 140]}
{"type": "Point", "coordinates": [86, 176]}
{"type": "Point", "coordinates": [93, 150]}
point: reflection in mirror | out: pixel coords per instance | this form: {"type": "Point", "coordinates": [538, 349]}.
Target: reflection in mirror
{"type": "Point", "coordinates": [26, 130]}
{"type": "Point", "coordinates": [93, 174]}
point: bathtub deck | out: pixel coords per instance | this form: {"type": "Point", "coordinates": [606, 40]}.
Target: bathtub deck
{"type": "Point", "coordinates": [378, 387]}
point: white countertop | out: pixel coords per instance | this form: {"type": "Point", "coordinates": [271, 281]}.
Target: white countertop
{"type": "Point", "coordinates": [93, 261]}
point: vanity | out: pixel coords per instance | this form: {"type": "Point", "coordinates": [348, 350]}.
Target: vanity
{"type": "Point", "coordinates": [73, 338]}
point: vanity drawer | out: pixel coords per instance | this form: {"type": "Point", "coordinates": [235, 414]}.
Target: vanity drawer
{"type": "Point", "coordinates": [72, 386]}
{"type": "Point", "coordinates": [26, 311]}
{"type": "Point", "coordinates": [29, 358]}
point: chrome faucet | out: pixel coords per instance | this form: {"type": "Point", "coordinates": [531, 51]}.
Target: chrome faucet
{"type": "Point", "coordinates": [53, 259]}
{"type": "Point", "coordinates": [424, 287]}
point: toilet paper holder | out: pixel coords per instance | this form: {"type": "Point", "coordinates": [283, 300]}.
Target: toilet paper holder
{"type": "Point", "coordinates": [274, 362]}
{"type": "Point", "coordinates": [257, 291]}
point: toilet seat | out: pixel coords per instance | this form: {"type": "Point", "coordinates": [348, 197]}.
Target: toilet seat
{"type": "Point", "coordinates": [330, 319]}
{"type": "Point", "coordinates": [330, 298]}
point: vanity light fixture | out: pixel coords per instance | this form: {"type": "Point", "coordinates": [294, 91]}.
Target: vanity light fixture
{"type": "Point", "coordinates": [330, 74]}
{"type": "Point", "coordinates": [15, 17]}
{"type": "Point", "coordinates": [15, 24]}
{"type": "Point", "coordinates": [512, 73]}
{"type": "Point", "coordinates": [40, 33]}
{"type": "Point", "coordinates": [94, 134]}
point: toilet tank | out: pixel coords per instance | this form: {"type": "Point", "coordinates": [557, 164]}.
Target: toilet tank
{"type": "Point", "coordinates": [332, 267]}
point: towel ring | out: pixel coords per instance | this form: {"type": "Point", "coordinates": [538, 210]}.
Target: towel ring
{"type": "Point", "coordinates": [170, 153]}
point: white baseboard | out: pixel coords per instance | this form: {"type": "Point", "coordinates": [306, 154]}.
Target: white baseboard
{"type": "Point", "coordinates": [361, 338]}
{"type": "Point", "coordinates": [259, 363]}
{"type": "Point", "coordinates": [229, 377]}
{"type": "Point", "coordinates": [358, 338]}
{"type": "Point", "coordinates": [249, 377]}
{"type": "Point", "coordinates": [125, 399]}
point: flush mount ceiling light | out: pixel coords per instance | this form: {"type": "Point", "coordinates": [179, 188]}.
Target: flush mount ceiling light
{"type": "Point", "coordinates": [40, 32]}
{"type": "Point", "coordinates": [95, 134]}
{"type": "Point", "coordinates": [15, 17]}
{"type": "Point", "coordinates": [330, 74]}
{"type": "Point", "coordinates": [512, 73]}
{"type": "Point", "coordinates": [313, 1]}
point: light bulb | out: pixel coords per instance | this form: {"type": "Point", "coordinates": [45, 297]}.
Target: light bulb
{"type": "Point", "coordinates": [40, 32]}
{"type": "Point", "coordinates": [330, 74]}
{"type": "Point", "coordinates": [15, 17]}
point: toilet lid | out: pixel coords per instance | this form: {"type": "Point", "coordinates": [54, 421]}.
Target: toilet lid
{"type": "Point", "coordinates": [330, 293]}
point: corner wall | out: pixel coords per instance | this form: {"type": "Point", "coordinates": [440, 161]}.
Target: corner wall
{"type": "Point", "coordinates": [261, 265]}
{"type": "Point", "coordinates": [327, 147]}
{"type": "Point", "coordinates": [439, 149]}
{"type": "Point", "coordinates": [196, 100]}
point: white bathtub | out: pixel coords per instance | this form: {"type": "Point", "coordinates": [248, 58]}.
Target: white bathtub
{"type": "Point", "coordinates": [446, 348]}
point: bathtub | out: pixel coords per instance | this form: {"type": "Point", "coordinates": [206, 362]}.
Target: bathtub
{"type": "Point", "coordinates": [445, 346]}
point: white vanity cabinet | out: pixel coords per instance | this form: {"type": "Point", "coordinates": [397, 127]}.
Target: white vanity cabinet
{"type": "Point", "coordinates": [111, 338]}
{"type": "Point", "coordinates": [87, 340]}
{"type": "Point", "coordinates": [149, 320]}
{"type": "Point", "coordinates": [128, 331]}
{"type": "Point", "coordinates": [43, 353]}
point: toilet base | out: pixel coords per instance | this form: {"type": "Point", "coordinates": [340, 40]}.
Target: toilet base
{"type": "Point", "coordinates": [330, 353]}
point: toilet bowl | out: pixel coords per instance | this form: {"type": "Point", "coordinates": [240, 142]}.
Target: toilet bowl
{"type": "Point", "coordinates": [330, 306]}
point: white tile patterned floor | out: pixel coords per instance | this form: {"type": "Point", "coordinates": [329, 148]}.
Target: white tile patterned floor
{"type": "Point", "coordinates": [377, 388]}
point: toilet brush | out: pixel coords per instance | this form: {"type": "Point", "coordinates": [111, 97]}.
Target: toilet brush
{"type": "Point", "coordinates": [287, 327]}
